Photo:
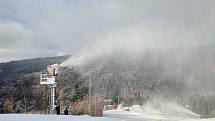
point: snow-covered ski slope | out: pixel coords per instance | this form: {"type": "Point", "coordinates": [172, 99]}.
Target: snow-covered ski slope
{"type": "Point", "coordinates": [113, 115]}
{"type": "Point", "coordinates": [147, 113]}
{"type": "Point", "coordinates": [116, 117]}
{"type": "Point", "coordinates": [135, 113]}
{"type": "Point", "coordinates": [34, 117]}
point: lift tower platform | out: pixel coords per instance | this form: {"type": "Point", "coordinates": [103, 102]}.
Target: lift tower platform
{"type": "Point", "coordinates": [49, 79]}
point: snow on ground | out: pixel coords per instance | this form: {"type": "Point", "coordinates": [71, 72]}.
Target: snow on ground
{"type": "Point", "coordinates": [146, 116]}
{"type": "Point", "coordinates": [134, 116]}
{"type": "Point", "coordinates": [209, 119]}
{"type": "Point", "coordinates": [136, 113]}
{"type": "Point", "coordinates": [34, 117]}
{"type": "Point", "coordinates": [109, 116]}
{"type": "Point", "coordinates": [146, 113]}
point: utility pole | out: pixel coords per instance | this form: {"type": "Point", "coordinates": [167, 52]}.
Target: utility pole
{"type": "Point", "coordinates": [90, 86]}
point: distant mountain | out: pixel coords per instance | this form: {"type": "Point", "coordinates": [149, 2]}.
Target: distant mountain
{"type": "Point", "coordinates": [9, 71]}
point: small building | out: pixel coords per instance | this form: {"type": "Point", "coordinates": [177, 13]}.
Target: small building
{"type": "Point", "coordinates": [109, 104]}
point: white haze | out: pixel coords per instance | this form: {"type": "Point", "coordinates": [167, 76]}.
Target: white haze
{"type": "Point", "coordinates": [131, 42]}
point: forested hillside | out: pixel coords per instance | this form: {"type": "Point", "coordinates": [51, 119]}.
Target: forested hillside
{"type": "Point", "coordinates": [184, 76]}
{"type": "Point", "coordinates": [19, 79]}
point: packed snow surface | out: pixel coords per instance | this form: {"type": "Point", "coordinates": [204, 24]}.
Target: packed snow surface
{"type": "Point", "coordinates": [136, 113]}
{"type": "Point", "coordinates": [34, 117]}
{"type": "Point", "coordinates": [109, 116]}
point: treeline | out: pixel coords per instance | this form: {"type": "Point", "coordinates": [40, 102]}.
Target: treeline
{"type": "Point", "coordinates": [19, 84]}
{"type": "Point", "coordinates": [184, 75]}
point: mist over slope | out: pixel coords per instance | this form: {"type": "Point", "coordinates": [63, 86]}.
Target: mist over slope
{"type": "Point", "coordinates": [142, 63]}
{"type": "Point", "coordinates": [184, 76]}
{"type": "Point", "coordinates": [169, 76]}
{"type": "Point", "coordinates": [177, 55]}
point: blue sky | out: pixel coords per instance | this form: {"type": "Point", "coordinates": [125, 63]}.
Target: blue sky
{"type": "Point", "coordinates": [35, 28]}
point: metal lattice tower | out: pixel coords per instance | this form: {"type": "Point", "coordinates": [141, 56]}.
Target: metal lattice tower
{"type": "Point", "coordinates": [49, 79]}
